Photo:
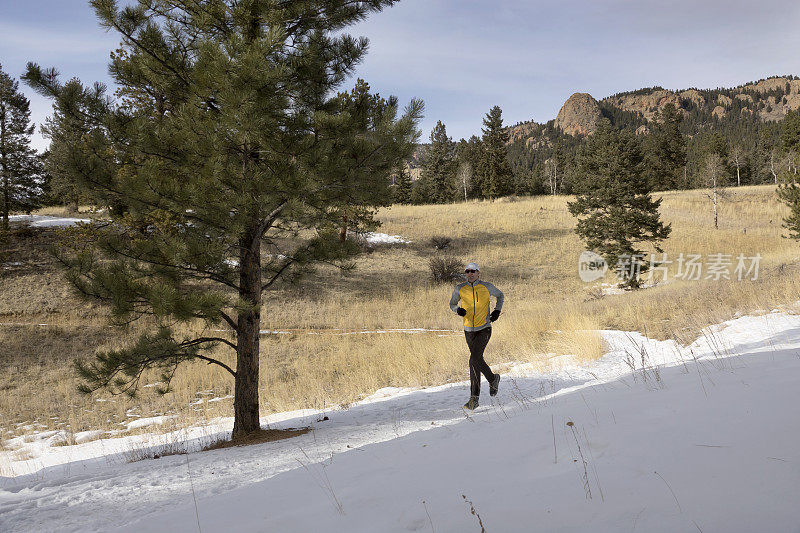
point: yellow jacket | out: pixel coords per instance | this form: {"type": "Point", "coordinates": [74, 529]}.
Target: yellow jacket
{"type": "Point", "coordinates": [474, 298]}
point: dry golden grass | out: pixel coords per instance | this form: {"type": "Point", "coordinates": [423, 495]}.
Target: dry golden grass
{"type": "Point", "coordinates": [526, 247]}
{"type": "Point", "coordinates": [64, 211]}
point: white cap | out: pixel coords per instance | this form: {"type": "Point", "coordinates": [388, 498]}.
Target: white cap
{"type": "Point", "coordinates": [471, 266]}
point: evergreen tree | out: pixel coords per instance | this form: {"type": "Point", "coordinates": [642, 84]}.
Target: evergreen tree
{"type": "Point", "coordinates": [613, 204]}
{"type": "Point", "coordinates": [403, 186]}
{"type": "Point", "coordinates": [790, 139]}
{"type": "Point", "coordinates": [20, 165]}
{"type": "Point", "coordinates": [66, 129]}
{"type": "Point", "coordinates": [421, 192]}
{"type": "Point", "coordinates": [701, 147]}
{"type": "Point", "coordinates": [494, 171]}
{"type": "Point", "coordinates": [236, 164]}
{"type": "Point", "coordinates": [767, 157]}
{"type": "Point", "coordinates": [789, 194]}
{"type": "Point", "coordinates": [534, 181]}
{"type": "Point", "coordinates": [438, 175]}
{"type": "Point", "coordinates": [665, 150]}
{"type": "Point", "coordinates": [790, 132]}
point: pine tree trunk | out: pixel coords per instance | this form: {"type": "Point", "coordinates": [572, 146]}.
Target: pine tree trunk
{"type": "Point", "coordinates": [75, 202]}
{"type": "Point", "coordinates": [343, 229]}
{"type": "Point", "coordinates": [4, 171]}
{"type": "Point", "coordinates": [248, 325]}
{"type": "Point", "coordinates": [6, 199]}
{"type": "Point", "coordinates": [245, 402]}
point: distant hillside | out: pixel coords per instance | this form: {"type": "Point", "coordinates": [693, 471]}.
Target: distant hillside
{"type": "Point", "coordinates": [746, 120]}
{"type": "Point", "coordinates": [764, 100]}
{"type": "Point", "coordinates": [748, 116]}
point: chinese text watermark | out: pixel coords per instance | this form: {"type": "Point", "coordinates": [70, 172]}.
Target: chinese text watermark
{"type": "Point", "coordinates": [689, 267]}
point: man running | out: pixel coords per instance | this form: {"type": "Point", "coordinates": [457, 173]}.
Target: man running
{"type": "Point", "coordinates": [471, 300]}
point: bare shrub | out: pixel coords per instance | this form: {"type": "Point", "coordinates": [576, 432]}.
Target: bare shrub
{"type": "Point", "coordinates": [445, 269]}
{"type": "Point", "coordinates": [441, 242]}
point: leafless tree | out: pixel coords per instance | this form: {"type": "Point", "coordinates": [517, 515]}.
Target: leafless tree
{"type": "Point", "coordinates": [790, 164]}
{"type": "Point", "coordinates": [773, 164]}
{"type": "Point", "coordinates": [551, 175]}
{"type": "Point", "coordinates": [715, 177]}
{"type": "Point", "coordinates": [464, 176]}
{"type": "Point", "coordinates": [736, 157]}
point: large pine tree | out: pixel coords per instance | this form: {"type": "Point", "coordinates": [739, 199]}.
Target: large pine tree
{"type": "Point", "coordinates": [494, 172]}
{"type": "Point", "coordinates": [613, 204]}
{"type": "Point", "coordinates": [234, 165]}
{"type": "Point", "coordinates": [20, 165]}
{"type": "Point", "coordinates": [403, 185]}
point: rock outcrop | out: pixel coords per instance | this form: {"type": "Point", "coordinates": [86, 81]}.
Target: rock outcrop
{"type": "Point", "coordinates": [694, 96]}
{"type": "Point", "coordinates": [521, 131]}
{"type": "Point", "coordinates": [792, 102]}
{"type": "Point", "coordinates": [647, 104]}
{"type": "Point", "coordinates": [771, 84]}
{"type": "Point", "coordinates": [579, 115]}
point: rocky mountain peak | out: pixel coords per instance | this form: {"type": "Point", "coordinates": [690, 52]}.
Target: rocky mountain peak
{"type": "Point", "coordinates": [579, 115]}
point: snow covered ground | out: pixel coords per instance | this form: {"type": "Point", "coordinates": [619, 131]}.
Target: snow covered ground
{"type": "Point", "coordinates": [383, 238]}
{"type": "Point", "coordinates": [652, 437]}
{"type": "Point", "coordinates": [41, 221]}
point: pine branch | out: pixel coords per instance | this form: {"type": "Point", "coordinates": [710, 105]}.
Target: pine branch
{"type": "Point", "coordinates": [287, 263]}
{"type": "Point", "coordinates": [267, 222]}
{"type": "Point", "coordinates": [232, 323]}
{"type": "Point", "coordinates": [120, 371]}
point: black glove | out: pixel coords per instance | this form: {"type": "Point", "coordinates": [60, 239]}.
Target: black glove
{"type": "Point", "coordinates": [495, 315]}
{"type": "Point", "coordinates": [461, 311]}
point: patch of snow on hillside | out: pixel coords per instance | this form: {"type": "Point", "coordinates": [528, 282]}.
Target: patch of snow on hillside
{"type": "Point", "coordinates": [40, 221]}
{"type": "Point", "coordinates": [150, 421]}
{"type": "Point", "coordinates": [383, 238]}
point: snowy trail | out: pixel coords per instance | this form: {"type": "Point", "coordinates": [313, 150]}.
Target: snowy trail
{"type": "Point", "coordinates": [113, 492]}
{"type": "Point", "coordinates": [90, 487]}
{"type": "Point", "coordinates": [662, 456]}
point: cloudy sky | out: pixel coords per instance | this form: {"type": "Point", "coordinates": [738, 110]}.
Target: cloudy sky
{"type": "Point", "coordinates": [464, 56]}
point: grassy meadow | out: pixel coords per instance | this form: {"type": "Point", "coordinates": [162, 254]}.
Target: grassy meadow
{"type": "Point", "coordinates": [332, 345]}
